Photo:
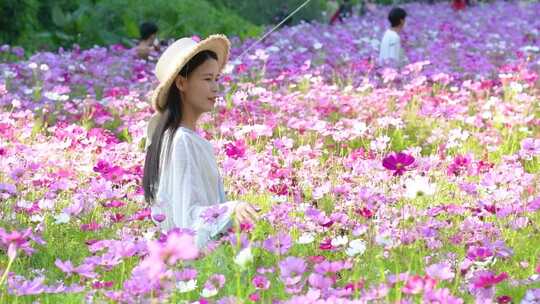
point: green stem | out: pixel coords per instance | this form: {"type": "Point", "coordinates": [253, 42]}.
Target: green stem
{"type": "Point", "coordinates": [4, 276]}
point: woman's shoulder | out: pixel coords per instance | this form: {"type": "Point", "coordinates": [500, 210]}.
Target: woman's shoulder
{"type": "Point", "coordinates": [185, 138]}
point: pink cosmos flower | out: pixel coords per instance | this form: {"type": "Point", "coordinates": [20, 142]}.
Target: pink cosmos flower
{"type": "Point", "coordinates": [486, 279]}
{"type": "Point", "coordinates": [417, 284]}
{"type": "Point", "coordinates": [236, 150]}
{"type": "Point", "coordinates": [398, 162]}
{"type": "Point", "coordinates": [260, 282]}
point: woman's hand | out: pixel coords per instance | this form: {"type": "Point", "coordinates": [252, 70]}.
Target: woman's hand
{"type": "Point", "coordinates": [245, 212]}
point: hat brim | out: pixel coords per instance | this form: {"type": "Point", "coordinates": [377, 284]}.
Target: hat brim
{"type": "Point", "coordinates": [218, 44]}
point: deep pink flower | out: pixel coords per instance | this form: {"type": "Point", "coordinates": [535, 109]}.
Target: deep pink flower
{"type": "Point", "coordinates": [460, 165]}
{"type": "Point", "coordinates": [92, 226]}
{"type": "Point", "coordinates": [114, 204]}
{"type": "Point", "coordinates": [486, 279]}
{"type": "Point", "coordinates": [504, 299]}
{"type": "Point", "coordinates": [117, 217]}
{"type": "Point", "coordinates": [365, 212]}
{"type": "Point", "coordinates": [255, 297]}
{"type": "Point", "coordinates": [477, 253]}
{"type": "Point", "coordinates": [354, 286]}
{"type": "Point", "coordinates": [326, 222]}
{"type": "Point", "coordinates": [326, 244]}
{"type": "Point", "coordinates": [279, 189]}
{"type": "Point", "coordinates": [246, 226]}
{"type": "Point", "coordinates": [260, 282]}
{"type": "Point", "coordinates": [236, 150]}
{"type": "Point", "coordinates": [101, 285]}
{"type": "Point", "coordinates": [316, 259]}
{"type": "Point", "coordinates": [398, 162]}
{"type": "Point", "coordinates": [159, 217]}
{"type": "Point", "coordinates": [142, 214]}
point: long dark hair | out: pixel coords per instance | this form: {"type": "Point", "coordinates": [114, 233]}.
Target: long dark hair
{"type": "Point", "coordinates": [169, 120]}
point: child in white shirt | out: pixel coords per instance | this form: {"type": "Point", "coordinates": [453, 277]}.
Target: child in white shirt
{"type": "Point", "coordinates": [391, 51]}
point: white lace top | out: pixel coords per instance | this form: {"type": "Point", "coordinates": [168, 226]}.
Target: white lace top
{"type": "Point", "coordinates": [190, 191]}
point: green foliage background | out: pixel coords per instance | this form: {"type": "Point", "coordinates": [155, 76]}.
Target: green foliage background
{"type": "Point", "coordinates": [48, 24]}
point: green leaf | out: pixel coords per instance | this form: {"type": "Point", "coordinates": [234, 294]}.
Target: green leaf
{"type": "Point", "coordinates": [58, 17]}
{"type": "Point", "coordinates": [130, 26]}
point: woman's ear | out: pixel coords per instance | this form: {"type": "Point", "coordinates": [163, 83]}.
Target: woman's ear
{"type": "Point", "coordinates": [180, 83]}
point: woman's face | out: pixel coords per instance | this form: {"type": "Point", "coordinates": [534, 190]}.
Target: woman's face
{"type": "Point", "coordinates": [200, 89]}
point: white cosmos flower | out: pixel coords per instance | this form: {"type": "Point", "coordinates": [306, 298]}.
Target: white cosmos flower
{"type": "Point", "coordinates": [306, 238]}
{"type": "Point", "coordinates": [243, 257]}
{"type": "Point", "coordinates": [36, 218]}
{"type": "Point", "coordinates": [61, 218]}
{"type": "Point", "coordinates": [383, 240]}
{"type": "Point", "coordinates": [186, 286]}
{"type": "Point", "coordinates": [419, 186]}
{"type": "Point", "coordinates": [209, 292]}
{"type": "Point", "coordinates": [356, 247]}
{"type": "Point", "coordinates": [340, 241]}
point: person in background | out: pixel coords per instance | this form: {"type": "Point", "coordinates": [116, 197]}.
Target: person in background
{"type": "Point", "coordinates": [459, 5]}
{"type": "Point", "coordinates": [281, 15]}
{"type": "Point", "coordinates": [391, 50]}
{"type": "Point", "coordinates": [332, 7]}
{"type": "Point", "coordinates": [148, 41]}
{"type": "Point", "coordinates": [344, 10]}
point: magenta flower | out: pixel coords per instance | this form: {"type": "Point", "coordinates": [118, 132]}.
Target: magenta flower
{"type": "Point", "coordinates": [398, 162]}
{"type": "Point", "coordinates": [114, 204]}
{"type": "Point", "coordinates": [255, 297]}
{"type": "Point", "coordinates": [487, 279]}
{"type": "Point", "coordinates": [92, 226]}
{"type": "Point", "coordinates": [504, 299]}
{"type": "Point", "coordinates": [480, 254]}
{"type": "Point", "coordinates": [460, 165]}
{"type": "Point", "coordinates": [101, 285]}
{"type": "Point", "coordinates": [17, 240]}
{"type": "Point", "coordinates": [159, 217]}
{"type": "Point", "coordinates": [326, 244]}
{"type": "Point", "coordinates": [236, 150]}
{"type": "Point", "coordinates": [260, 282]}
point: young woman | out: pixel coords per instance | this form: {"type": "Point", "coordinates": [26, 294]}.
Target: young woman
{"type": "Point", "coordinates": [181, 179]}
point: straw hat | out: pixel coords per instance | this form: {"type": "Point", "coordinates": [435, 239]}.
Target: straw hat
{"type": "Point", "coordinates": [171, 63]}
